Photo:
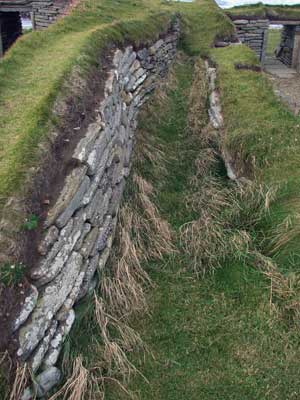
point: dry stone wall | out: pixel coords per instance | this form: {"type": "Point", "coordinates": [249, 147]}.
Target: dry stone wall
{"type": "Point", "coordinates": [253, 33]}
{"type": "Point", "coordinates": [79, 228]}
{"type": "Point", "coordinates": [285, 52]}
{"type": "Point", "coordinates": [45, 12]}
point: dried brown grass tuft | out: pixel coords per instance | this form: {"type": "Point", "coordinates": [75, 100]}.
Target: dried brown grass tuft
{"type": "Point", "coordinates": [141, 235]}
{"type": "Point", "coordinates": [22, 375]}
{"type": "Point", "coordinates": [285, 233]}
{"type": "Point", "coordinates": [227, 215]}
{"type": "Point", "coordinates": [198, 117]}
{"type": "Point", "coordinates": [116, 347]}
{"type": "Point", "coordinates": [76, 386]}
{"type": "Point", "coordinates": [284, 289]}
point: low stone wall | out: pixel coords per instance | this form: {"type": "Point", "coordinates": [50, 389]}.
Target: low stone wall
{"type": "Point", "coordinates": [253, 33]}
{"type": "Point", "coordinates": [10, 29]}
{"type": "Point", "coordinates": [79, 228]}
{"type": "Point", "coordinates": [45, 12]}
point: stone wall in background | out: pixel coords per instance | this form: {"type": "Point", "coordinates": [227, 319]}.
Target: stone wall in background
{"type": "Point", "coordinates": [79, 227]}
{"type": "Point", "coordinates": [285, 52]}
{"type": "Point", "coordinates": [45, 12]}
{"type": "Point", "coordinates": [253, 33]}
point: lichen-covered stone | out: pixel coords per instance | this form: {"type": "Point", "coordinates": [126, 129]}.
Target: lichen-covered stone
{"type": "Point", "coordinates": [98, 155]}
{"type": "Point", "coordinates": [103, 234]}
{"type": "Point", "coordinates": [72, 183]}
{"type": "Point", "coordinates": [37, 358]}
{"type": "Point", "coordinates": [26, 308]}
{"type": "Point", "coordinates": [89, 242]}
{"type": "Point", "coordinates": [91, 266]}
{"type": "Point", "coordinates": [49, 239]}
{"type": "Point", "coordinates": [51, 268]}
{"type": "Point", "coordinates": [58, 340]}
{"type": "Point", "coordinates": [74, 203]}
{"type": "Point", "coordinates": [50, 301]}
{"type": "Point", "coordinates": [86, 144]}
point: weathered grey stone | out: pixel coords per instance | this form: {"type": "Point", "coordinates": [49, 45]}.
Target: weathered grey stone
{"type": "Point", "coordinates": [74, 203]}
{"type": "Point", "coordinates": [58, 340]}
{"type": "Point", "coordinates": [86, 229]}
{"type": "Point", "coordinates": [50, 269]}
{"type": "Point", "coordinates": [134, 67]}
{"type": "Point", "coordinates": [49, 239]}
{"type": "Point", "coordinates": [69, 302]}
{"type": "Point", "coordinates": [118, 56]}
{"type": "Point", "coordinates": [153, 49]}
{"type": "Point", "coordinates": [241, 21]}
{"type": "Point", "coordinates": [96, 181]}
{"type": "Point", "coordinates": [89, 242]}
{"type": "Point", "coordinates": [129, 58]}
{"type": "Point", "coordinates": [51, 299]}
{"type": "Point", "coordinates": [46, 380]}
{"type": "Point", "coordinates": [116, 198]}
{"type": "Point", "coordinates": [109, 83]}
{"type": "Point", "coordinates": [98, 155]}
{"type": "Point", "coordinates": [215, 111]}
{"type": "Point", "coordinates": [103, 234]}
{"type": "Point", "coordinates": [143, 54]}
{"type": "Point", "coordinates": [37, 358]}
{"type": "Point", "coordinates": [91, 266]}
{"type": "Point", "coordinates": [97, 208]}
{"type": "Point", "coordinates": [26, 308]}
{"type": "Point", "coordinates": [86, 144]}
{"type": "Point", "coordinates": [72, 183]}
{"type": "Point", "coordinates": [44, 266]}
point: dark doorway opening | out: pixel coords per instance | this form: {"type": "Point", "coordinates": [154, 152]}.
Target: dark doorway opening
{"type": "Point", "coordinates": [10, 29]}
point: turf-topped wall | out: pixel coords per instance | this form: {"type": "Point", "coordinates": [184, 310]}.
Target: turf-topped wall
{"type": "Point", "coordinates": [45, 12]}
{"type": "Point", "coordinates": [79, 227]}
{"type": "Point", "coordinates": [253, 33]}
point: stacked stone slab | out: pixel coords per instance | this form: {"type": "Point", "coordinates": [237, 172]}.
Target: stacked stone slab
{"type": "Point", "coordinates": [285, 53]}
{"type": "Point", "coordinates": [79, 228]}
{"type": "Point", "coordinates": [45, 12]}
{"type": "Point", "coordinates": [253, 33]}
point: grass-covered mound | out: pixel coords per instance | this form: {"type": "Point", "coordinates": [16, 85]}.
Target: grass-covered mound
{"type": "Point", "coordinates": [261, 10]}
{"type": "Point", "coordinates": [264, 139]}
{"type": "Point", "coordinates": [34, 71]}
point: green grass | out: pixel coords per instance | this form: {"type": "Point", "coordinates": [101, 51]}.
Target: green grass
{"type": "Point", "coordinates": [33, 71]}
{"type": "Point", "coordinates": [213, 338]}
{"type": "Point", "coordinates": [274, 36]}
{"type": "Point", "coordinates": [265, 138]}
{"type": "Point", "coordinates": [260, 10]}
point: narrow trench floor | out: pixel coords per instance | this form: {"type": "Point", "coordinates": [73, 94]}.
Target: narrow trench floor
{"type": "Point", "coordinates": [212, 338]}
{"type": "Point", "coordinates": [286, 82]}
